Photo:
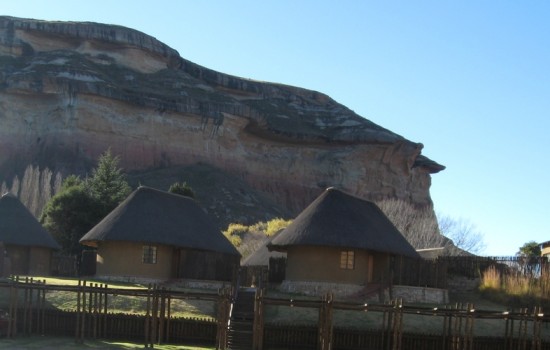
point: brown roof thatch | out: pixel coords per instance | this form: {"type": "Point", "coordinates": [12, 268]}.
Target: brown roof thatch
{"type": "Point", "coordinates": [261, 256]}
{"type": "Point", "coordinates": [153, 216]}
{"type": "Point", "coordinates": [337, 219]}
{"type": "Point", "coordinates": [18, 226]}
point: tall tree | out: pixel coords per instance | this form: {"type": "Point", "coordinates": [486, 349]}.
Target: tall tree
{"type": "Point", "coordinates": [108, 183]}
{"type": "Point", "coordinates": [462, 232]}
{"type": "Point", "coordinates": [81, 204]}
{"type": "Point", "coordinates": [70, 214]}
{"type": "Point", "coordinates": [530, 249]}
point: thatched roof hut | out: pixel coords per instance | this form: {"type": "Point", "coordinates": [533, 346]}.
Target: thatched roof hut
{"type": "Point", "coordinates": [337, 219]}
{"type": "Point", "coordinates": [340, 238]}
{"type": "Point", "coordinates": [175, 225]}
{"type": "Point", "coordinates": [28, 244]}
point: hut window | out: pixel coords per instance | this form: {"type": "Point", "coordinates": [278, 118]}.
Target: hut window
{"type": "Point", "coordinates": [347, 260]}
{"type": "Point", "coordinates": [149, 254]}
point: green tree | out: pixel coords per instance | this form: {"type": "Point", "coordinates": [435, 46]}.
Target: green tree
{"type": "Point", "coordinates": [530, 249]}
{"type": "Point", "coordinates": [182, 189]}
{"type": "Point", "coordinates": [70, 214]}
{"type": "Point", "coordinates": [108, 183]}
{"type": "Point", "coordinates": [81, 204]}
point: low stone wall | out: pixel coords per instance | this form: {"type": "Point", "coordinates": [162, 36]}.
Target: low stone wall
{"type": "Point", "coordinates": [411, 294]}
{"type": "Point", "coordinates": [127, 279]}
{"type": "Point", "coordinates": [319, 288]}
{"type": "Point", "coordinates": [459, 284]}
{"type": "Point", "coordinates": [174, 283]}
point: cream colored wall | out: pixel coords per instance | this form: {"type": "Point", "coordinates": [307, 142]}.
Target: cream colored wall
{"type": "Point", "coordinates": [125, 259]}
{"type": "Point", "coordinates": [546, 250]}
{"type": "Point", "coordinates": [40, 261]}
{"type": "Point", "coordinates": [322, 264]}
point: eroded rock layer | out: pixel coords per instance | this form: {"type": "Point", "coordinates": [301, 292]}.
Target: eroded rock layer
{"type": "Point", "coordinates": [69, 91]}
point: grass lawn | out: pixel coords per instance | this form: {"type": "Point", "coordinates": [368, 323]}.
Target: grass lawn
{"type": "Point", "coordinates": [67, 300]}
{"type": "Point", "coordinates": [55, 343]}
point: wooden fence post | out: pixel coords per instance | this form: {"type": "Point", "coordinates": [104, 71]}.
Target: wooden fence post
{"type": "Point", "coordinates": [154, 314]}
{"type": "Point", "coordinates": [325, 322]}
{"type": "Point", "coordinates": [523, 329]}
{"type": "Point", "coordinates": [162, 315]}
{"type": "Point", "coordinates": [105, 308]}
{"type": "Point", "coordinates": [147, 317]}
{"type": "Point", "coordinates": [258, 327]}
{"type": "Point", "coordinates": [83, 313]}
{"type": "Point", "coordinates": [77, 337]}
{"type": "Point", "coordinates": [168, 316]}
{"type": "Point", "coordinates": [397, 325]}
{"type": "Point", "coordinates": [13, 309]}
{"type": "Point", "coordinates": [536, 344]}
{"type": "Point", "coordinates": [223, 319]}
{"type": "Point", "coordinates": [43, 303]}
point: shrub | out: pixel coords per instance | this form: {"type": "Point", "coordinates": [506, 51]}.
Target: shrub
{"type": "Point", "coordinates": [235, 232]}
{"type": "Point", "coordinates": [275, 225]}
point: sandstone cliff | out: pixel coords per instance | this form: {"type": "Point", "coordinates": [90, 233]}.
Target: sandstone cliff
{"type": "Point", "coordinates": [68, 91]}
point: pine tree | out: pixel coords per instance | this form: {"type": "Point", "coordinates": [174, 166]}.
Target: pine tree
{"type": "Point", "coordinates": [108, 183]}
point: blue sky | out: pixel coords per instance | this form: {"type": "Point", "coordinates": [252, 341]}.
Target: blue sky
{"type": "Point", "coordinates": [468, 79]}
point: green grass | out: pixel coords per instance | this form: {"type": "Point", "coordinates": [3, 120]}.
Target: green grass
{"type": "Point", "coordinates": [55, 343]}
{"type": "Point", "coordinates": [67, 300]}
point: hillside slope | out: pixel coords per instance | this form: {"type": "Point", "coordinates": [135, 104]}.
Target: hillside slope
{"type": "Point", "coordinates": [69, 91]}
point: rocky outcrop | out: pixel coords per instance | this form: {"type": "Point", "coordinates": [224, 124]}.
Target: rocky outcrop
{"type": "Point", "coordinates": [69, 91]}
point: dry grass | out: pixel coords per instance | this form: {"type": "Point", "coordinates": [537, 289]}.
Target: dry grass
{"type": "Point", "coordinates": [516, 289]}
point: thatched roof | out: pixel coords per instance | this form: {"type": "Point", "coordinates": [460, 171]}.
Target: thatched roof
{"type": "Point", "coordinates": [337, 219]}
{"type": "Point", "coordinates": [18, 226]}
{"type": "Point", "coordinates": [157, 217]}
{"type": "Point", "coordinates": [260, 257]}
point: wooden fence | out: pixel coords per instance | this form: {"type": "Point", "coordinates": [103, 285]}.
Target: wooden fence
{"type": "Point", "coordinates": [474, 266]}
{"type": "Point", "coordinates": [434, 273]}
{"type": "Point", "coordinates": [522, 329]}
{"type": "Point", "coordinates": [28, 313]}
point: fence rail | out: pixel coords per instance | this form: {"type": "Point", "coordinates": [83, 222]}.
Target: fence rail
{"type": "Point", "coordinates": [29, 314]}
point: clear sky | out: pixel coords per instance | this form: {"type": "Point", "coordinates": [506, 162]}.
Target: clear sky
{"type": "Point", "coordinates": [468, 79]}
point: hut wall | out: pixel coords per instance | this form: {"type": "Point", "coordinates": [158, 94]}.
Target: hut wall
{"type": "Point", "coordinates": [125, 259]}
{"type": "Point", "coordinates": [322, 264]}
{"type": "Point", "coordinates": [19, 259]}
{"type": "Point", "coordinates": [40, 261]}
{"type": "Point", "coordinates": [546, 249]}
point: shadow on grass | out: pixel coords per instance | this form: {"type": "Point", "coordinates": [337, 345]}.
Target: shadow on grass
{"type": "Point", "coordinates": [55, 343]}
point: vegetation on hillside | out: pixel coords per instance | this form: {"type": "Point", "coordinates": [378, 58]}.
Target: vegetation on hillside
{"type": "Point", "coordinates": [182, 188]}
{"type": "Point", "coordinates": [249, 238]}
{"type": "Point", "coordinates": [35, 188]}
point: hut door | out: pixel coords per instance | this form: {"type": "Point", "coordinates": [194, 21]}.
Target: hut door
{"type": "Point", "coordinates": [370, 268]}
{"type": "Point", "coordinates": [176, 263]}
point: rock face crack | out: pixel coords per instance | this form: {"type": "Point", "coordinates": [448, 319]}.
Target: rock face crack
{"type": "Point", "coordinates": [81, 88]}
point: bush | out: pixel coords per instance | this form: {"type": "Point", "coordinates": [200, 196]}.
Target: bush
{"type": "Point", "coordinates": [275, 225]}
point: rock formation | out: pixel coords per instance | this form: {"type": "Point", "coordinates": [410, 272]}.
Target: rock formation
{"type": "Point", "coordinates": [69, 91]}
